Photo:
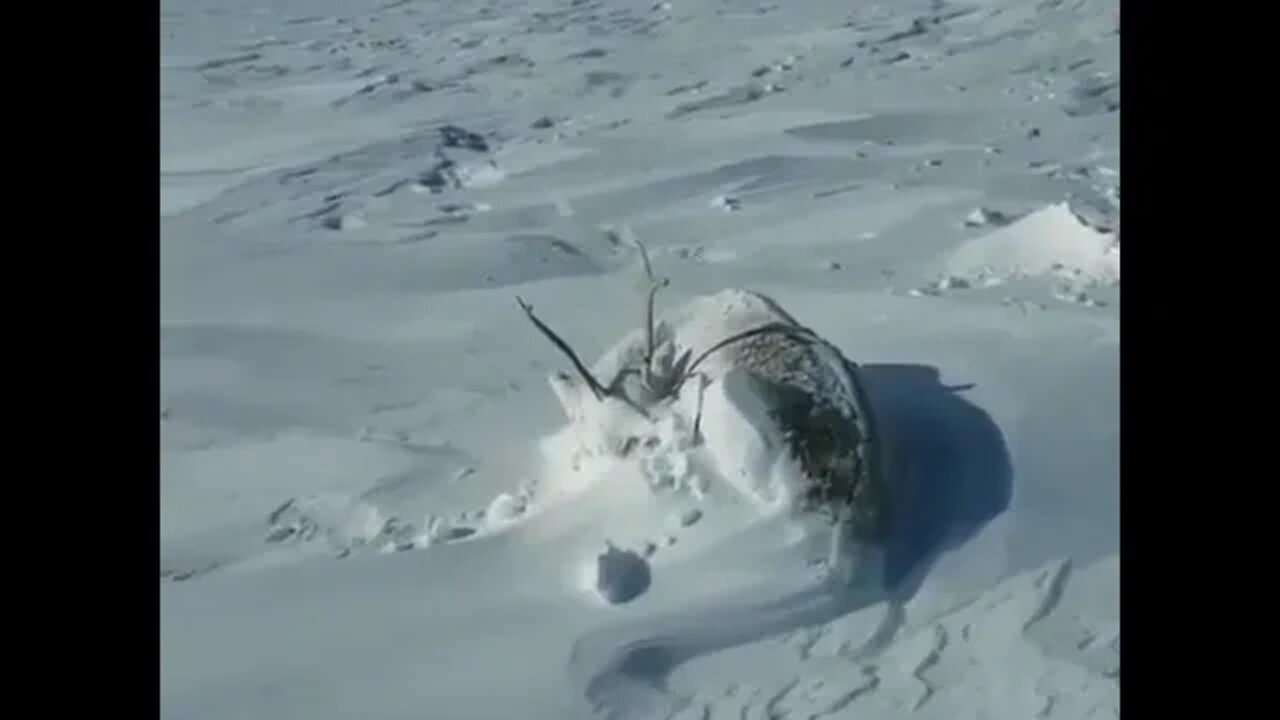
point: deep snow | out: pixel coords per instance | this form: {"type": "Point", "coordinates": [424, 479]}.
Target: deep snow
{"type": "Point", "coordinates": [368, 507]}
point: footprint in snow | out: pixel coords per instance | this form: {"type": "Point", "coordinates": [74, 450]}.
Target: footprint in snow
{"type": "Point", "coordinates": [621, 575]}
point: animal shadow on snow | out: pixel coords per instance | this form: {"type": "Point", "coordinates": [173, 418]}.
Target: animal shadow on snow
{"type": "Point", "coordinates": [947, 465]}
{"type": "Point", "coordinates": [950, 475]}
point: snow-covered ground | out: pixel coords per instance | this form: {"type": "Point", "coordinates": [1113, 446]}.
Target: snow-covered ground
{"type": "Point", "coordinates": [366, 506]}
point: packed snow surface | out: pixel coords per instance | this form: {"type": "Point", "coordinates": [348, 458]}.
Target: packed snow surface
{"type": "Point", "coordinates": [375, 502]}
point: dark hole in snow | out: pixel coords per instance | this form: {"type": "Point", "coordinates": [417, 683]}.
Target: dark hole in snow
{"type": "Point", "coordinates": [440, 176]}
{"type": "Point", "coordinates": [454, 136]}
{"type": "Point", "coordinates": [690, 517]}
{"type": "Point", "coordinates": [621, 575]}
{"type": "Point", "coordinates": [279, 512]}
{"type": "Point", "coordinates": [652, 661]}
{"type": "Point", "coordinates": [458, 533]}
{"type": "Point", "coordinates": [628, 445]}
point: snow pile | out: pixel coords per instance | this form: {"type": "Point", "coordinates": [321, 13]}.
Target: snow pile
{"type": "Point", "coordinates": [1050, 241]}
{"type": "Point", "coordinates": [746, 445]}
{"type": "Point", "coordinates": [505, 509]}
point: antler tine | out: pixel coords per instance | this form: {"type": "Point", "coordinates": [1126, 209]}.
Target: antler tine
{"type": "Point", "coordinates": [596, 388]}
{"type": "Point", "coordinates": [654, 286]}
{"type": "Point", "coordinates": [644, 256]}
{"type": "Point", "coordinates": [774, 327]}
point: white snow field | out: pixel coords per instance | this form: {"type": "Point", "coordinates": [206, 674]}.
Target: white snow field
{"type": "Point", "coordinates": [373, 505]}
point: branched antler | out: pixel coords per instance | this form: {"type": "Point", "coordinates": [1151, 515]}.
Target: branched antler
{"type": "Point", "coordinates": [596, 388]}
{"type": "Point", "coordinates": [614, 390]}
{"type": "Point", "coordinates": [658, 384]}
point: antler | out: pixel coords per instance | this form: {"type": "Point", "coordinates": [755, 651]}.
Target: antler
{"type": "Point", "coordinates": [614, 390]}
{"type": "Point", "coordinates": [795, 331]}
{"type": "Point", "coordinates": [596, 388]}
{"type": "Point", "coordinates": [654, 286]}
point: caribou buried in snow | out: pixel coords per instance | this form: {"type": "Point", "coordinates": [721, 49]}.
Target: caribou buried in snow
{"type": "Point", "coordinates": [780, 412]}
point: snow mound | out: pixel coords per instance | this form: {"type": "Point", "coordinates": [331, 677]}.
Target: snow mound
{"type": "Point", "coordinates": [505, 509]}
{"type": "Point", "coordinates": [738, 401]}
{"type": "Point", "coordinates": [745, 445]}
{"type": "Point", "coordinates": [1052, 240]}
